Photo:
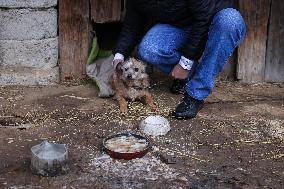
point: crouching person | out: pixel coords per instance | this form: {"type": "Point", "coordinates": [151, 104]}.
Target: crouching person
{"type": "Point", "coordinates": [190, 40]}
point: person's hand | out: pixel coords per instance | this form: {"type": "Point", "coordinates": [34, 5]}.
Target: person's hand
{"type": "Point", "coordinates": [179, 73]}
{"type": "Point", "coordinates": [116, 62]}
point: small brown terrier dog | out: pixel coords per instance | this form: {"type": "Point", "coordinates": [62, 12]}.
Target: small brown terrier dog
{"type": "Point", "coordinates": [131, 82]}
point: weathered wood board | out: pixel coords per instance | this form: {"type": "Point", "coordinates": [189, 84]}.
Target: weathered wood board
{"type": "Point", "coordinates": [106, 10]}
{"type": "Point", "coordinates": [74, 38]}
{"type": "Point", "coordinates": [274, 70]}
{"type": "Point", "coordinates": [229, 70]}
{"type": "Point", "coordinates": [251, 54]}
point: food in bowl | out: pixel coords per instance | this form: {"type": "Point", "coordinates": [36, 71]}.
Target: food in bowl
{"type": "Point", "coordinates": [126, 144]}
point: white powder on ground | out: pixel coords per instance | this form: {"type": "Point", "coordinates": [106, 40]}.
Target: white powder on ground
{"type": "Point", "coordinates": [149, 167]}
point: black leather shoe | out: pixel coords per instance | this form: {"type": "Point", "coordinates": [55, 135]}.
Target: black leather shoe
{"type": "Point", "coordinates": [188, 108]}
{"type": "Point", "coordinates": [178, 86]}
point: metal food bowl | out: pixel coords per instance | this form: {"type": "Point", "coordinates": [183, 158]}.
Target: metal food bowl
{"type": "Point", "coordinates": [126, 155]}
{"type": "Point", "coordinates": [155, 126]}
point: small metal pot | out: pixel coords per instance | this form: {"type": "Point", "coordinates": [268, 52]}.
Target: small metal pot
{"type": "Point", "coordinates": [49, 159]}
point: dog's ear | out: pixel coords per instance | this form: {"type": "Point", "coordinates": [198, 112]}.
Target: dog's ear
{"type": "Point", "coordinates": [119, 68]}
{"type": "Point", "coordinates": [135, 60]}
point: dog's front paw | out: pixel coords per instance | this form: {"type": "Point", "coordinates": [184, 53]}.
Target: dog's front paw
{"type": "Point", "coordinates": [123, 109]}
{"type": "Point", "coordinates": [154, 108]}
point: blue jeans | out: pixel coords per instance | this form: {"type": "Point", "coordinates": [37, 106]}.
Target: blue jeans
{"type": "Point", "coordinates": [160, 47]}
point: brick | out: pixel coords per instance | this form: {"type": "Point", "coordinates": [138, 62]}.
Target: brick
{"type": "Point", "coordinates": [27, 24]}
{"type": "Point", "coordinates": [27, 3]}
{"type": "Point", "coordinates": [28, 76]}
{"type": "Point", "coordinates": [33, 53]}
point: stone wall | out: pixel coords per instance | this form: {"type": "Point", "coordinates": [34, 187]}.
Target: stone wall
{"type": "Point", "coordinates": [28, 42]}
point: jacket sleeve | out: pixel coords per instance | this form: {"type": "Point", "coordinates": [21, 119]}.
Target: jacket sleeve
{"type": "Point", "coordinates": [131, 32]}
{"type": "Point", "coordinates": [203, 12]}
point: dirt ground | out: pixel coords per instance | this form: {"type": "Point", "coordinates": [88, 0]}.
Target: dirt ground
{"type": "Point", "coordinates": [237, 140]}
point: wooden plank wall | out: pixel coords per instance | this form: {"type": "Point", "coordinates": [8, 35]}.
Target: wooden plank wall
{"type": "Point", "coordinates": [74, 38]}
{"type": "Point", "coordinates": [274, 69]}
{"type": "Point", "coordinates": [106, 10]}
{"type": "Point", "coordinates": [251, 54]}
{"type": "Point", "coordinates": [229, 70]}
{"type": "Point", "coordinates": [257, 59]}
{"type": "Point", "coordinates": [75, 32]}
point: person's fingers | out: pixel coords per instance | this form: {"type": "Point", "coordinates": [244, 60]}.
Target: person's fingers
{"type": "Point", "coordinates": [173, 74]}
{"type": "Point", "coordinates": [179, 73]}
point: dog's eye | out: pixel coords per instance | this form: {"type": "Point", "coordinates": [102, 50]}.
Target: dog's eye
{"type": "Point", "coordinates": [125, 69]}
{"type": "Point", "coordinates": [136, 69]}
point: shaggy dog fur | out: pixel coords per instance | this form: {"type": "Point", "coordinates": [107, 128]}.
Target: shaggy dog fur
{"type": "Point", "coordinates": [131, 82]}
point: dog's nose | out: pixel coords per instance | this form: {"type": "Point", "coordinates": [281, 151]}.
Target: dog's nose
{"type": "Point", "coordinates": [129, 76]}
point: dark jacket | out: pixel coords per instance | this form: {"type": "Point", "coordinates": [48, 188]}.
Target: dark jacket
{"type": "Point", "coordinates": [197, 14]}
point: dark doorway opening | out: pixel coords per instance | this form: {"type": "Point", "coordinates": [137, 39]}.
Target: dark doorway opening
{"type": "Point", "coordinates": [107, 34]}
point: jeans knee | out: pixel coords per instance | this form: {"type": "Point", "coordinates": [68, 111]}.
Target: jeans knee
{"type": "Point", "coordinates": [153, 55]}
{"type": "Point", "coordinates": [230, 21]}
{"type": "Point", "coordinates": [145, 53]}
